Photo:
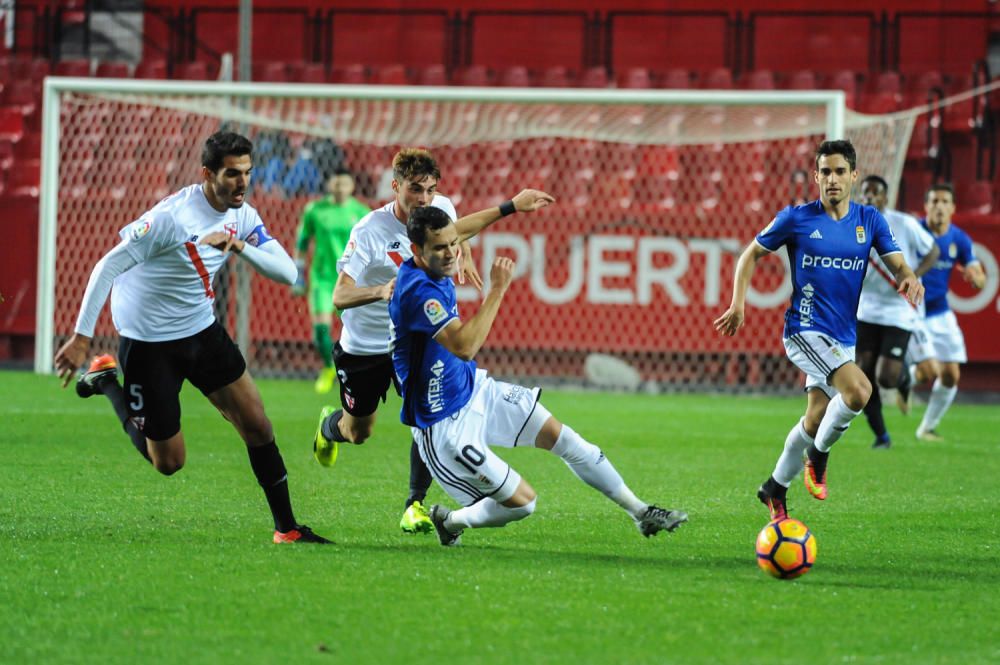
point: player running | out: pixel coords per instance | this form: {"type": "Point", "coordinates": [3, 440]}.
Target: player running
{"type": "Point", "coordinates": [377, 247]}
{"type": "Point", "coordinates": [885, 319]}
{"type": "Point", "coordinates": [329, 220]}
{"type": "Point", "coordinates": [828, 242]}
{"type": "Point", "coordinates": [160, 278]}
{"type": "Point", "coordinates": [456, 411]}
{"type": "Point", "coordinates": [942, 326]}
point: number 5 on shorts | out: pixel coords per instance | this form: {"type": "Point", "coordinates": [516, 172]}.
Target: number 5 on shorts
{"type": "Point", "coordinates": [136, 391]}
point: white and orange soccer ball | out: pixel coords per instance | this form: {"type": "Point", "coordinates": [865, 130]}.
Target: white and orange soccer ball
{"type": "Point", "coordinates": [786, 549]}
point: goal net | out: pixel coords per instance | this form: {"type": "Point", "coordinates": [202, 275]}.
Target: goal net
{"type": "Point", "coordinates": [657, 193]}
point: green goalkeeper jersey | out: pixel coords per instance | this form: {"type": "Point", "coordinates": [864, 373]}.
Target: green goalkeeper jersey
{"type": "Point", "coordinates": [330, 224]}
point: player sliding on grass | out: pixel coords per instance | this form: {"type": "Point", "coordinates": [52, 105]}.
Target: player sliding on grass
{"type": "Point", "coordinates": [377, 247]}
{"type": "Point", "coordinates": [828, 242]}
{"type": "Point", "coordinates": [161, 273]}
{"type": "Point", "coordinates": [456, 411]}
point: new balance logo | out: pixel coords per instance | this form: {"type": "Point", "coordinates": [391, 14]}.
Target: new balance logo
{"type": "Point", "coordinates": [816, 235]}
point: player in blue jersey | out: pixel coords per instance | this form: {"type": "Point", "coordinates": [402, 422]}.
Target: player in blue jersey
{"type": "Point", "coordinates": [828, 242]}
{"type": "Point", "coordinates": [457, 411]}
{"type": "Point", "coordinates": [940, 322]}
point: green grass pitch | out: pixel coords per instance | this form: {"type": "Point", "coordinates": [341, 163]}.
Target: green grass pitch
{"type": "Point", "coordinates": [103, 560]}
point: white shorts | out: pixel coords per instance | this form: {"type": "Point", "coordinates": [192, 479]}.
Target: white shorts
{"type": "Point", "coordinates": [456, 449]}
{"type": "Point", "coordinates": [947, 338]}
{"type": "Point", "coordinates": [819, 356]}
{"type": "Point", "coordinates": [920, 347]}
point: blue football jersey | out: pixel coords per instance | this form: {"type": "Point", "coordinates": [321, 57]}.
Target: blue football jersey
{"type": "Point", "coordinates": [828, 260]}
{"type": "Point", "coordinates": [956, 247]}
{"type": "Point", "coordinates": [435, 382]}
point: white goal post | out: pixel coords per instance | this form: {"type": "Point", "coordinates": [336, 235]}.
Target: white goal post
{"type": "Point", "coordinates": [649, 180]}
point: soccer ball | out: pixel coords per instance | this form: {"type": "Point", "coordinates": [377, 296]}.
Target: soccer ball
{"type": "Point", "coordinates": [786, 549]}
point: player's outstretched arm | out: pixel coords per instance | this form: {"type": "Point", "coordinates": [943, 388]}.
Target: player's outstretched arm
{"type": "Point", "coordinates": [467, 267]}
{"type": "Point", "coordinates": [975, 275]}
{"type": "Point", "coordinates": [465, 338]}
{"type": "Point", "coordinates": [907, 283]}
{"type": "Point", "coordinates": [928, 261]}
{"type": "Point", "coordinates": [732, 319]}
{"type": "Point", "coordinates": [527, 200]}
{"type": "Point", "coordinates": [270, 259]}
{"type": "Point", "coordinates": [71, 356]}
{"type": "Point", "coordinates": [347, 293]}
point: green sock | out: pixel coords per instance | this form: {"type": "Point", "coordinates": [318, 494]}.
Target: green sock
{"type": "Point", "coordinates": [324, 346]}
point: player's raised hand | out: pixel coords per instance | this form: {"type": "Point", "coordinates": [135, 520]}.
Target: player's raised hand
{"type": "Point", "coordinates": [386, 290]}
{"type": "Point", "coordinates": [911, 289]}
{"type": "Point", "coordinates": [222, 241]}
{"type": "Point", "coordinates": [71, 356]}
{"type": "Point", "coordinates": [467, 269]}
{"type": "Point", "coordinates": [530, 200]}
{"type": "Point", "coordinates": [501, 273]}
{"type": "Point", "coordinates": [730, 321]}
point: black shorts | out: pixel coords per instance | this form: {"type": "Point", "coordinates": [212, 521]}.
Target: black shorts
{"type": "Point", "coordinates": [887, 341]}
{"type": "Point", "coordinates": [155, 371]}
{"type": "Point", "coordinates": [364, 380]}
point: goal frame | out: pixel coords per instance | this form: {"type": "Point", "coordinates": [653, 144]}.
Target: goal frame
{"type": "Point", "coordinates": [834, 102]}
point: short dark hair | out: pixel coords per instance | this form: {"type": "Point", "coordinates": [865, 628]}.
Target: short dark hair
{"type": "Point", "coordinates": [414, 164]}
{"type": "Point", "coordinates": [876, 179]}
{"type": "Point", "coordinates": [424, 219]}
{"type": "Point", "coordinates": [220, 145]}
{"type": "Point", "coordinates": [940, 187]}
{"type": "Point", "coordinates": [840, 147]}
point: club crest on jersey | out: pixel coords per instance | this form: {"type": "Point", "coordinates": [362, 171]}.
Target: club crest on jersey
{"type": "Point", "coordinates": [859, 231]}
{"type": "Point", "coordinates": [230, 228]}
{"type": "Point", "coordinates": [139, 229]}
{"type": "Point", "coordinates": [435, 311]}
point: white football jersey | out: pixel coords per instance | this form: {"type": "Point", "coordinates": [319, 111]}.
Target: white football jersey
{"type": "Point", "coordinates": [169, 295]}
{"type": "Point", "coordinates": [880, 303]}
{"type": "Point", "coordinates": [377, 247]}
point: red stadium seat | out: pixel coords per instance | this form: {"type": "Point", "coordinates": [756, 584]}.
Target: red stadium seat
{"type": "Point", "coordinates": [11, 123]}
{"type": "Point", "coordinates": [974, 197]}
{"type": "Point", "coordinates": [312, 72]}
{"type": "Point", "coordinates": [6, 154]}
{"type": "Point", "coordinates": [803, 79]}
{"type": "Point", "coordinates": [555, 77]}
{"type": "Point", "coordinates": [117, 70]}
{"type": "Point", "coordinates": [23, 95]}
{"type": "Point", "coordinates": [72, 68]}
{"type": "Point", "coordinates": [151, 69]}
{"type": "Point", "coordinates": [196, 70]}
{"type": "Point", "coordinates": [353, 74]}
{"type": "Point", "coordinates": [32, 69]}
{"type": "Point", "coordinates": [391, 75]}
{"type": "Point", "coordinates": [30, 146]}
{"type": "Point", "coordinates": [273, 72]}
{"type": "Point", "coordinates": [884, 82]}
{"type": "Point", "coordinates": [25, 177]}
{"type": "Point", "coordinates": [676, 78]}
{"type": "Point", "coordinates": [846, 80]}
{"type": "Point", "coordinates": [593, 77]}
{"type": "Point", "coordinates": [635, 78]}
{"type": "Point", "coordinates": [760, 79]}
{"type": "Point", "coordinates": [720, 78]}
{"type": "Point", "coordinates": [515, 76]}
{"type": "Point", "coordinates": [432, 75]}
{"type": "Point", "coordinates": [473, 75]}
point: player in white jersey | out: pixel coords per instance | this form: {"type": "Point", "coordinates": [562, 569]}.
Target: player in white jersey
{"type": "Point", "coordinates": [885, 319]}
{"type": "Point", "coordinates": [160, 278]}
{"type": "Point", "coordinates": [377, 247]}
{"type": "Point", "coordinates": [828, 243]}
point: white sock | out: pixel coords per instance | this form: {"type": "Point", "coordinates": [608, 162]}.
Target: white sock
{"type": "Point", "coordinates": [836, 421]}
{"type": "Point", "coordinates": [941, 398]}
{"type": "Point", "coordinates": [790, 462]}
{"type": "Point", "coordinates": [591, 466]}
{"type": "Point", "coordinates": [486, 513]}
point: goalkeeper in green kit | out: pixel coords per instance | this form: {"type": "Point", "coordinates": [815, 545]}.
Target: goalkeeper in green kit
{"type": "Point", "coordinates": [329, 220]}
